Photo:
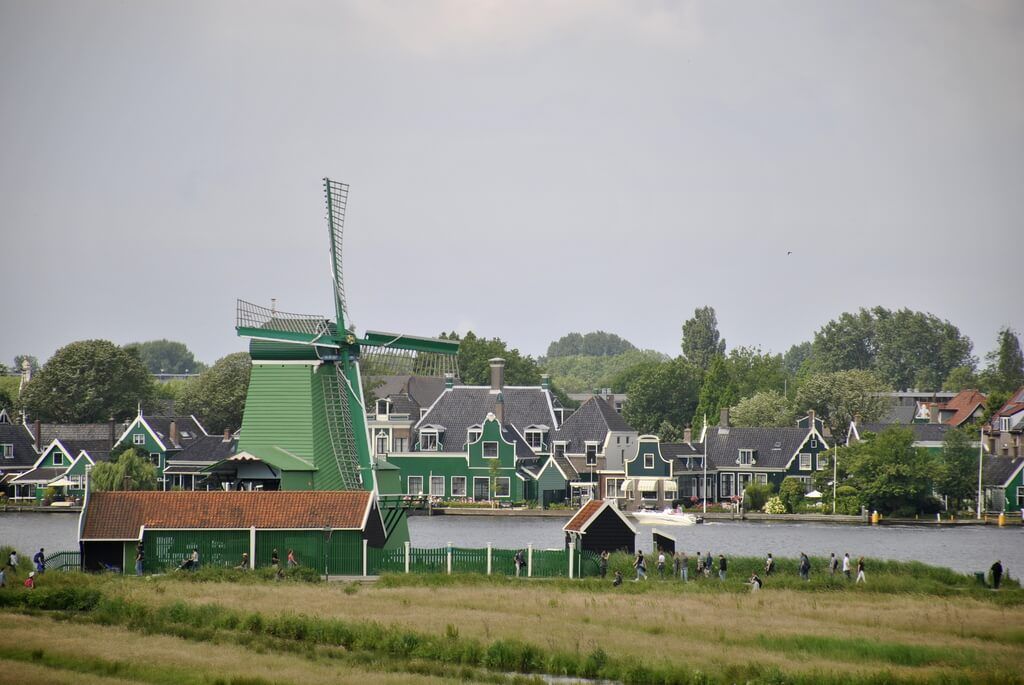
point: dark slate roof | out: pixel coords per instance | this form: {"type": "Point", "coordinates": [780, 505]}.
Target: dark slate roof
{"type": "Point", "coordinates": [463, 406]}
{"type": "Point", "coordinates": [77, 431]}
{"type": "Point", "coordinates": [523, 450]}
{"type": "Point", "coordinates": [923, 432]}
{"type": "Point", "coordinates": [900, 414]}
{"type": "Point", "coordinates": [93, 447]}
{"type": "Point", "coordinates": [567, 468]}
{"type": "Point", "coordinates": [997, 470]}
{"type": "Point", "coordinates": [773, 447]}
{"type": "Point", "coordinates": [185, 424]}
{"type": "Point", "coordinates": [209, 448]}
{"type": "Point", "coordinates": [24, 451]}
{"type": "Point", "coordinates": [676, 450]}
{"type": "Point", "coordinates": [404, 404]}
{"type": "Point", "coordinates": [592, 421]}
{"type": "Point", "coordinates": [42, 475]}
{"type": "Point", "coordinates": [422, 390]}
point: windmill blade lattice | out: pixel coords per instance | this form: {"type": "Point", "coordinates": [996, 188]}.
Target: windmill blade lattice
{"type": "Point", "coordinates": [392, 361]}
{"type": "Point", "coordinates": [337, 202]}
{"type": "Point", "coordinates": [254, 317]}
{"type": "Point", "coordinates": [336, 391]}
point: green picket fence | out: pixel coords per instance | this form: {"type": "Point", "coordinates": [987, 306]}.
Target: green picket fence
{"type": "Point", "coordinates": [466, 560]}
{"type": "Point", "coordinates": [503, 562]}
{"type": "Point", "coordinates": [588, 564]}
{"type": "Point", "coordinates": [428, 560]}
{"type": "Point", "coordinates": [380, 561]}
{"type": "Point", "coordinates": [66, 560]}
{"type": "Point", "coordinates": [550, 563]}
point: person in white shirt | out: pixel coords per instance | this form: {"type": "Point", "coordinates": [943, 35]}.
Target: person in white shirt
{"type": "Point", "coordinates": [846, 565]}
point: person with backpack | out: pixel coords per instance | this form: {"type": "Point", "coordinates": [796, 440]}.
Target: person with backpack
{"type": "Point", "coordinates": [640, 565]}
{"type": "Point", "coordinates": [723, 565]}
{"type": "Point", "coordinates": [603, 563]}
{"type": "Point", "coordinates": [805, 567]}
{"type": "Point", "coordinates": [708, 562]}
{"type": "Point", "coordinates": [40, 561]}
{"type": "Point", "coordinates": [769, 565]}
{"type": "Point", "coordinates": [833, 564]}
{"type": "Point", "coordinates": [519, 561]}
{"type": "Point", "coordinates": [684, 567]}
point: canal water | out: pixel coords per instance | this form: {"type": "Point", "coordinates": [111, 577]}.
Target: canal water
{"type": "Point", "coordinates": [964, 549]}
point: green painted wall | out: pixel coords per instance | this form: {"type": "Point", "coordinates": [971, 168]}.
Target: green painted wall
{"type": "Point", "coordinates": [551, 479]}
{"type": "Point", "coordinates": [279, 410]}
{"type": "Point", "coordinates": [637, 469]}
{"type": "Point", "coordinates": [165, 549]}
{"type": "Point", "coordinates": [49, 460]}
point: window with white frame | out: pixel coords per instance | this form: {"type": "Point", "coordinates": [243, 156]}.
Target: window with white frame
{"type": "Point", "coordinates": [502, 486]}
{"type": "Point", "coordinates": [649, 495]}
{"type": "Point", "coordinates": [154, 458]}
{"type": "Point", "coordinates": [490, 450]}
{"type": "Point", "coordinates": [559, 449]}
{"type": "Point", "coordinates": [822, 461]}
{"type": "Point", "coordinates": [7, 450]}
{"type": "Point", "coordinates": [428, 441]}
{"type": "Point", "coordinates": [473, 434]}
{"type": "Point", "coordinates": [1020, 497]}
{"type": "Point", "coordinates": [727, 486]}
{"type": "Point", "coordinates": [535, 439]}
{"type": "Point", "coordinates": [761, 478]}
{"type": "Point", "coordinates": [415, 485]}
{"type": "Point", "coordinates": [437, 486]}
{"type": "Point", "coordinates": [613, 487]}
{"type": "Point", "coordinates": [383, 407]}
{"type": "Point", "coordinates": [742, 482]}
{"type": "Point", "coordinates": [746, 458]}
{"type": "Point", "coordinates": [814, 443]}
{"type": "Point", "coordinates": [382, 442]}
{"type": "Point", "coordinates": [591, 454]}
{"type": "Point", "coordinates": [58, 458]}
{"type": "Point", "coordinates": [648, 460]}
{"type": "Point", "coordinates": [139, 439]}
{"type": "Point", "coordinates": [1004, 423]}
{"type": "Point", "coordinates": [399, 444]}
{"type": "Point", "coordinates": [458, 486]}
{"type": "Point", "coordinates": [805, 461]}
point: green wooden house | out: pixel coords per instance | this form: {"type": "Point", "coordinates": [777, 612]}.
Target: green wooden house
{"type": "Point", "coordinates": [60, 469]}
{"type": "Point", "coordinates": [162, 438]}
{"type": "Point", "coordinates": [650, 481]}
{"type": "Point", "coordinates": [1003, 480]}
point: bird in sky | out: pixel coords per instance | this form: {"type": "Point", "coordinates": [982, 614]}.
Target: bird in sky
{"type": "Point", "coordinates": [789, 253]}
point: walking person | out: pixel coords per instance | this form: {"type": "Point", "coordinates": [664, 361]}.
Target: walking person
{"type": "Point", "coordinates": [661, 564]}
{"type": "Point", "coordinates": [769, 565]}
{"type": "Point", "coordinates": [520, 562]}
{"type": "Point", "coordinates": [708, 563]}
{"type": "Point", "coordinates": [292, 561]}
{"type": "Point", "coordinates": [40, 561]}
{"type": "Point", "coordinates": [723, 565]}
{"type": "Point", "coordinates": [860, 571]}
{"type": "Point", "coordinates": [275, 558]}
{"type": "Point", "coordinates": [997, 574]}
{"type": "Point", "coordinates": [640, 565]}
{"type": "Point", "coordinates": [700, 566]}
{"type": "Point", "coordinates": [12, 560]}
{"type": "Point", "coordinates": [805, 567]}
{"type": "Point", "coordinates": [833, 564]}
{"type": "Point", "coordinates": [846, 565]}
{"type": "Point", "coordinates": [603, 563]}
{"type": "Point", "coordinates": [30, 582]}
{"type": "Point", "coordinates": [684, 567]}
{"type": "Point", "coordinates": [3, 576]}
{"type": "Point", "coordinates": [677, 564]}
{"type": "Point", "coordinates": [140, 556]}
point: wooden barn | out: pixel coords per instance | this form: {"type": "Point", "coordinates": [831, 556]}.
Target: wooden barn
{"type": "Point", "coordinates": [599, 526]}
{"type": "Point", "coordinates": [327, 530]}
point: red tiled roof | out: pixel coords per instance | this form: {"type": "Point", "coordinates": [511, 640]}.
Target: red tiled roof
{"type": "Point", "coordinates": [964, 403]}
{"type": "Point", "coordinates": [582, 517]}
{"type": "Point", "coordinates": [119, 515]}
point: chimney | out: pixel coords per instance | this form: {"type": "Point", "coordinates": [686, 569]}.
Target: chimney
{"type": "Point", "coordinates": [227, 435]}
{"type": "Point", "coordinates": [449, 381]}
{"type": "Point", "coordinates": [545, 381]}
{"type": "Point", "coordinates": [110, 434]}
{"type": "Point", "coordinates": [810, 418]}
{"type": "Point", "coordinates": [497, 374]}
{"type": "Point", "coordinates": [172, 433]}
{"type": "Point", "coordinates": [933, 412]}
{"type": "Point", "coordinates": [39, 435]}
{"type": "Point", "coordinates": [687, 435]}
{"type": "Point", "coordinates": [499, 409]}
{"type": "Point", "coordinates": [26, 374]}
{"type": "Point", "coordinates": [723, 418]}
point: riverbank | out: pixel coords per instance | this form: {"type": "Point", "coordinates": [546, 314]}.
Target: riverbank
{"type": "Point", "coordinates": [428, 629]}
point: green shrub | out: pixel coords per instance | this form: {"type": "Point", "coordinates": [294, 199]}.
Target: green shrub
{"type": "Point", "coordinates": [791, 493]}
{"type": "Point", "coordinates": [755, 496]}
{"type": "Point", "coordinates": [774, 505]}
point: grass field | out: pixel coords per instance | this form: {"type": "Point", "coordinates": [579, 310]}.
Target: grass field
{"type": "Point", "coordinates": [420, 629]}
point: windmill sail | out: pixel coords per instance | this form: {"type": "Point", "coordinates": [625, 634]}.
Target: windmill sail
{"type": "Point", "coordinates": [337, 203]}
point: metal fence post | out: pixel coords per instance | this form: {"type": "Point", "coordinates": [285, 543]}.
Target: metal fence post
{"type": "Point", "coordinates": [364, 557]}
{"type": "Point", "coordinates": [529, 560]}
{"type": "Point", "coordinates": [572, 554]}
{"type": "Point", "coordinates": [449, 558]}
{"type": "Point", "coordinates": [488, 558]}
{"type": "Point", "coordinates": [252, 547]}
{"type": "Point", "coordinates": [407, 550]}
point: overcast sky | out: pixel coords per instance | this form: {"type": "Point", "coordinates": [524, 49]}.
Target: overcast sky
{"type": "Point", "coordinates": [521, 169]}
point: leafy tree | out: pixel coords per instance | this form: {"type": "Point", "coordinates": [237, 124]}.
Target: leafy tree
{"type": "Point", "coordinates": [6, 401]}
{"type": "Point", "coordinates": [621, 381]}
{"type": "Point", "coordinates": [88, 381]}
{"type": "Point", "coordinates": [890, 474]}
{"type": "Point", "coordinates": [701, 341]}
{"type": "Point", "coordinates": [217, 396]}
{"type": "Point", "coordinates": [957, 472]}
{"type": "Point", "coordinates": [584, 373]}
{"type": "Point", "coordinates": [475, 354]}
{"type": "Point", "coordinates": [131, 470]}
{"type": "Point", "coordinates": [764, 409]}
{"type": "Point", "coordinates": [795, 357]}
{"type": "Point", "coordinates": [960, 378]}
{"type": "Point", "coordinates": [669, 433]}
{"type": "Point", "coordinates": [33, 363]}
{"type": "Point", "coordinates": [167, 356]}
{"type": "Point", "coordinates": [993, 403]}
{"type": "Point", "coordinates": [839, 397]}
{"type": "Point", "coordinates": [4, 371]}
{"type": "Point", "coordinates": [751, 371]}
{"type": "Point", "coordinates": [716, 393]}
{"type": "Point", "coordinates": [662, 392]}
{"type": "Point", "coordinates": [755, 496]}
{"type": "Point", "coordinates": [9, 399]}
{"type": "Point", "coordinates": [791, 492]}
{"type": "Point", "coordinates": [904, 347]}
{"type": "Point", "coordinates": [1005, 370]}
{"type": "Point", "coordinates": [597, 343]}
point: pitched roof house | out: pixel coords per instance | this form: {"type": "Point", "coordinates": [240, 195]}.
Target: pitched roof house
{"type": "Point", "coordinates": [1006, 427]}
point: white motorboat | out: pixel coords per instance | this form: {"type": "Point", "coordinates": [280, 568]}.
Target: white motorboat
{"type": "Point", "coordinates": [669, 516]}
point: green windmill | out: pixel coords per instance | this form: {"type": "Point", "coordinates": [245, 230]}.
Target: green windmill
{"type": "Point", "coordinates": [304, 426]}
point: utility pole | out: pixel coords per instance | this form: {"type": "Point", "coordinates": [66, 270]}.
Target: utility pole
{"type": "Point", "coordinates": [981, 450]}
{"type": "Point", "coordinates": [835, 472]}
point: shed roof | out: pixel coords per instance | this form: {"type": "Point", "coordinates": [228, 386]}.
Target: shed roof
{"type": "Point", "coordinates": [997, 471]}
{"type": "Point", "coordinates": [589, 512]}
{"type": "Point", "coordinates": [120, 515]}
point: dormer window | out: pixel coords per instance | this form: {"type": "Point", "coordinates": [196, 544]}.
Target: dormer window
{"type": "Point", "coordinates": [139, 439]}
{"type": "Point", "coordinates": [746, 458]}
{"type": "Point", "coordinates": [559, 449]}
{"type": "Point", "coordinates": [814, 442]}
{"type": "Point", "coordinates": [591, 451]}
{"type": "Point", "coordinates": [1004, 423]}
{"type": "Point", "coordinates": [473, 434]}
{"type": "Point", "coordinates": [535, 439]}
{"type": "Point", "coordinates": [428, 440]}
{"type": "Point", "coordinates": [383, 407]}
{"type": "Point", "coordinates": [7, 451]}
{"type": "Point", "coordinates": [58, 458]}
{"type": "Point", "coordinates": [423, 411]}
{"type": "Point", "coordinates": [648, 460]}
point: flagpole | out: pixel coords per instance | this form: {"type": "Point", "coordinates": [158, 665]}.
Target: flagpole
{"type": "Point", "coordinates": [704, 485]}
{"type": "Point", "coordinates": [981, 449]}
{"type": "Point", "coordinates": [835, 470]}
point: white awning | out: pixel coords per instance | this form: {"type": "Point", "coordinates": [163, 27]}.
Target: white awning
{"type": "Point", "coordinates": [647, 484]}
{"type": "Point", "coordinates": [671, 486]}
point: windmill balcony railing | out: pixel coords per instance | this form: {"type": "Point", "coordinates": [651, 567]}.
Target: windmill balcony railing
{"type": "Point", "coordinates": [254, 316]}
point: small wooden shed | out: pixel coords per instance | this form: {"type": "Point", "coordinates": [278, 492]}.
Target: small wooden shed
{"type": "Point", "coordinates": [599, 526]}
{"type": "Point", "coordinates": [662, 541]}
{"type": "Point", "coordinates": [328, 531]}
